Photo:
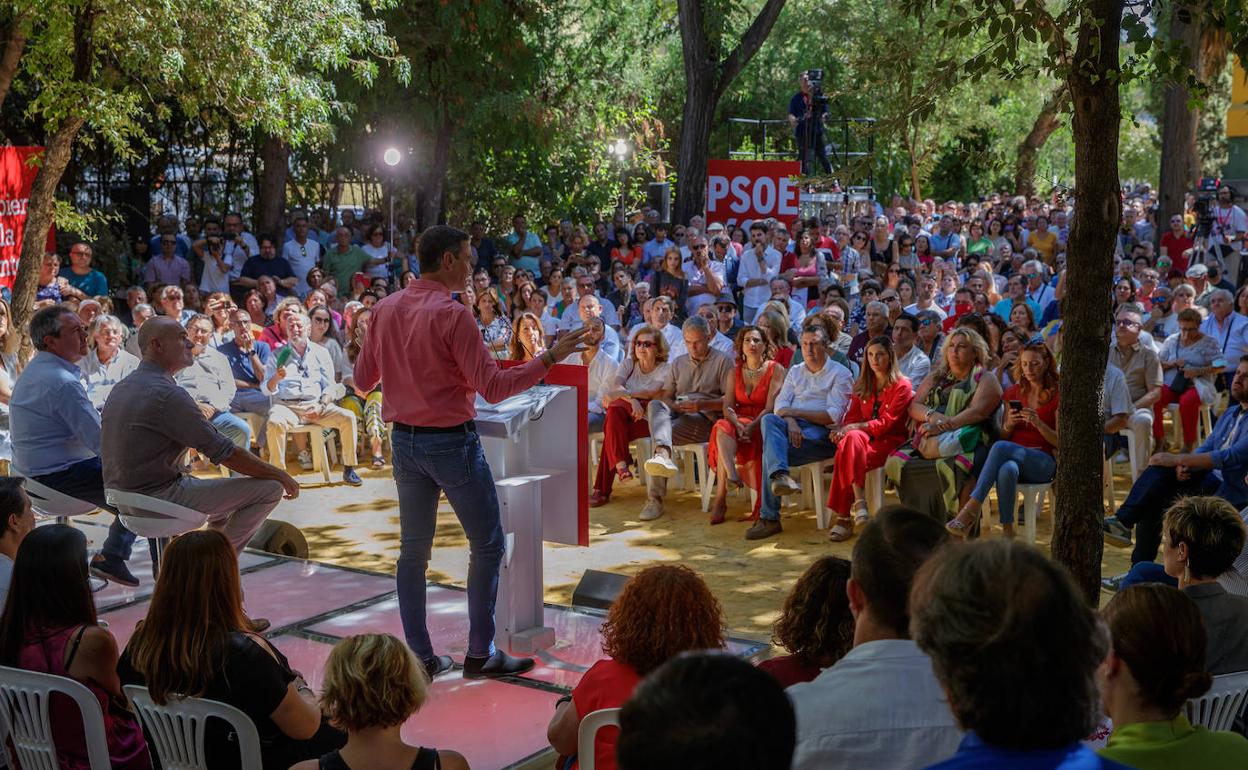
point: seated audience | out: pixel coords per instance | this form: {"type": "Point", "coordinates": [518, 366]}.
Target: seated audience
{"type": "Point", "coordinates": [210, 383]}
{"type": "Point", "coordinates": [249, 361]}
{"type": "Point", "coordinates": [641, 378]}
{"type": "Point", "coordinates": [662, 611]}
{"type": "Point", "coordinates": [373, 685]}
{"type": "Point", "coordinates": [1142, 369]}
{"type": "Point", "coordinates": [776, 328]}
{"type": "Point", "coordinates": [1217, 467]}
{"type": "Point", "coordinates": [690, 404]}
{"type": "Point", "coordinates": [816, 625]}
{"type": "Point", "coordinates": [1156, 663]}
{"type": "Point", "coordinates": [304, 394]}
{"type": "Point", "coordinates": [81, 275]}
{"type": "Point", "coordinates": [875, 424]}
{"type": "Point", "coordinates": [810, 406]}
{"type": "Point", "coordinates": [1190, 360]}
{"type": "Point", "coordinates": [323, 330]}
{"type": "Point", "coordinates": [365, 405]}
{"type": "Point", "coordinates": [149, 422]}
{"type": "Point", "coordinates": [274, 335]}
{"type": "Point", "coordinates": [602, 371]}
{"type": "Point", "coordinates": [1016, 649]}
{"type": "Point", "coordinates": [492, 321]}
{"type": "Point", "coordinates": [528, 337]}
{"type": "Point", "coordinates": [735, 449]}
{"type": "Point", "coordinates": [56, 429]}
{"type": "Point", "coordinates": [953, 409]}
{"type": "Point", "coordinates": [1201, 537]}
{"type": "Point", "coordinates": [911, 360]}
{"type": "Point", "coordinates": [106, 362]}
{"type": "Point", "coordinates": [172, 303]}
{"type": "Point", "coordinates": [138, 314]}
{"type": "Point", "coordinates": [196, 641]}
{"type": "Point", "coordinates": [1024, 453]}
{"type": "Point", "coordinates": [17, 519]}
{"type": "Point", "coordinates": [49, 626]}
{"type": "Point", "coordinates": [879, 706]}
{"type": "Point", "coordinates": [701, 711]}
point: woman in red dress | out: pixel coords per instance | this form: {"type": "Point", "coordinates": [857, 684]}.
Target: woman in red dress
{"type": "Point", "coordinates": [736, 449]}
{"type": "Point", "coordinates": [875, 424]}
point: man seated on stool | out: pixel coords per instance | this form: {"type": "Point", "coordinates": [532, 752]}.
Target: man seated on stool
{"type": "Point", "coordinates": [1217, 467]}
{"type": "Point", "coordinates": [149, 422]}
{"type": "Point", "coordinates": [56, 430]}
{"type": "Point", "coordinates": [249, 360]}
{"type": "Point", "coordinates": [211, 383]}
{"type": "Point", "coordinates": [695, 392]}
{"type": "Point", "coordinates": [810, 404]}
{"type": "Point", "coordinates": [602, 369]}
{"type": "Point", "coordinates": [304, 395]}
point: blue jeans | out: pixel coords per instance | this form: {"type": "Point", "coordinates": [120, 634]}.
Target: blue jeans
{"type": "Point", "coordinates": [778, 455]}
{"type": "Point", "coordinates": [1147, 572]}
{"type": "Point", "coordinates": [425, 465]}
{"type": "Point", "coordinates": [1150, 496]}
{"type": "Point", "coordinates": [234, 428]}
{"type": "Point", "coordinates": [85, 481]}
{"type": "Point", "coordinates": [1007, 465]}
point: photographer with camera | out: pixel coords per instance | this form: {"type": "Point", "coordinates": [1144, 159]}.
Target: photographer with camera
{"type": "Point", "coordinates": [806, 112]}
{"type": "Point", "coordinates": [1227, 231]}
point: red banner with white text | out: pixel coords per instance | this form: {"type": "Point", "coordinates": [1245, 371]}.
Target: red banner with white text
{"type": "Point", "coordinates": [17, 176]}
{"type": "Point", "coordinates": [738, 191]}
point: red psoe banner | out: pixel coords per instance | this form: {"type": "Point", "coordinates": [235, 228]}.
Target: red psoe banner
{"type": "Point", "coordinates": [742, 190]}
{"type": "Point", "coordinates": [17, 176]}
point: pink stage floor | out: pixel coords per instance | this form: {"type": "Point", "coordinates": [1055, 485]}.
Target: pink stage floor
{"type": "Point", "coordinates": [313, 605]}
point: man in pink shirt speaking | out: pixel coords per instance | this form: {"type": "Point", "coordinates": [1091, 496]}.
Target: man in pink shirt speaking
{"type": "Point", "coordinates": [426, 347]}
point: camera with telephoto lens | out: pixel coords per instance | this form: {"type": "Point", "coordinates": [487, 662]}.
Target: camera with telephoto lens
{"type": "Point", "coordinates": [815, 76]}
{"type": "Point", "coordinates": [1204, 216]}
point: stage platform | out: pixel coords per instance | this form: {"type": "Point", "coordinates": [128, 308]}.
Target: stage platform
{"type": "Point", "coordinates": [493, 723]}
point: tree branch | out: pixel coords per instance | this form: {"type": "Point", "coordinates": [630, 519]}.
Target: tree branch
{"type": "Point", "coordinates": [13, 49]}
{"type": "Point", "coordinates": [751, 41]}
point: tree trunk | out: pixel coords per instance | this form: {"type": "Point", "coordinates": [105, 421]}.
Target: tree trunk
{"type": "Point", "coordinates": [706, 79]}
{"type": "Point", "coordinates": [1046, 123]}
{"type": "Point", "coordinates": [12, 55]}
{"type": "Point", "coordinates": [695, 139]}
{"type": "Point", "coordinates": [1179, 160]}
{"type": "Point", "coordinates": [271, 197]}
{"type": "Point", "coordinates": [1093, 82]}
{"type": "Point", "coordinates": [433, 188]}
{"type": "Point", "coordinates": [40, 210]}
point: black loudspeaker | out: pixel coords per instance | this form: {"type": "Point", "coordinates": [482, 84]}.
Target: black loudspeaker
{"type": "Point", "coordinates": [659, 196]}
{"type": "Point", "coordinates": [597, 590]}
{"type": "Point", "coordinates": [280, 538]}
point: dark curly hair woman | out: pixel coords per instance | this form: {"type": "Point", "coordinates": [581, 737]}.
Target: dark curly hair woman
{"type": "Point", "coordinates": [662, 611]}
{"type": "Point", "coordinates": [815, 626]}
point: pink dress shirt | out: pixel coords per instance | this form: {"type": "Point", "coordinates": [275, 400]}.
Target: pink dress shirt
{"type": "Point", "coordinates": [428, 351]}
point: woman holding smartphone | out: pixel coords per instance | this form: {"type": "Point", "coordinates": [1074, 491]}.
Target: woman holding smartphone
{"type": "Point", "coordinates": [1029, 437]}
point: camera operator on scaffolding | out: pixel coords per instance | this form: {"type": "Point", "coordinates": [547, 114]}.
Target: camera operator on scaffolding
{"type": "Point", "coordinates": [806, 112]}
{"type": "Point", "coordinates": [1228, 231]}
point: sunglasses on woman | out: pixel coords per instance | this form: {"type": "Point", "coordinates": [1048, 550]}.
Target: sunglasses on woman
{"type": "Point", "coordinates": [643, 344]}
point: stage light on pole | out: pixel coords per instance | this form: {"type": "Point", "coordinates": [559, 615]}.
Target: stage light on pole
{"type": "Point", "coordinates": [619, 148]}
{"type": "Point", "coordinates": [392, 157]}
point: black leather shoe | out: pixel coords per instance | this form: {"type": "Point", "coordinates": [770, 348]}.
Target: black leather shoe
{"type": "Point", "coordinates": [440, 664]}
{"type": "Point", "coordinates": [351, 477]}
{"type": "Point", "coordinates": [499, 664]}
{"type": "Point", "coordinates": [114, 571]}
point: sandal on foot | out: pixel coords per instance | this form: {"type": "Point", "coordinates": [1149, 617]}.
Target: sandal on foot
{"type": "Point", "coordinates": [842, 530]}
{"type": "Point", "coordinates": [959, 528]}
{"type": "Point", "coordinates": [379, 461]}
{"type": "Point", "coordinates": [624, 475]}
{"type": "Point", "coordinates": [861, 513]}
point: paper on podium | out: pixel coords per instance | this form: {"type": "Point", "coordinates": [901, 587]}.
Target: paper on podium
{"type": "Point", "coordinates": [509, 416]}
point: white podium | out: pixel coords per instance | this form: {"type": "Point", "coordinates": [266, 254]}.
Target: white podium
{"type": "Point", "coordinates": [530, 443]}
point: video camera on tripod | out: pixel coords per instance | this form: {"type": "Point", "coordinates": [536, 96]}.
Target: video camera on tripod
{"type": "Point", "coordinates": [1206, 194]}
{"type": "Point", "coordinates": [815, 76]}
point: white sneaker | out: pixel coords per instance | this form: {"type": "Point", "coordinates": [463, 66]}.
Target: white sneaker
{"type": "Point", "coordinates": [652, 510]}
{"type": "Point", "coordinates": [662, 466]}
{"type": "Point", "coordinates": [1121, 457]}
{"type": "Point", "coordinates": [305, 459]}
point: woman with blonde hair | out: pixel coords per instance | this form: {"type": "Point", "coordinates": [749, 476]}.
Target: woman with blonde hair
{"type": "Point", "coordinates": [874, 425]}
{"type": "Point", "coordinates": [373, 684]}
{"type": "Point", "coordinates": [775, 324]}
{"type": "Point", "coordinates": [642, 377]}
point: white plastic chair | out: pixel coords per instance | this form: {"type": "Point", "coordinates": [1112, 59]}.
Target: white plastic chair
{"type": "Point", "coordinates": [696, 470]}
{"type": "Point", "coordinates": [153, 518]}
{"type": "Point", "coordinates": [48, 502]}
{"type": "Point", "coordinates": [1218, 708]}
{"type": "Point", "coordinates": [591, 723]}
{"type": "Point", "coordinates": [1135, 469]}
{"type": "Point", "coordinates": [24, 702]}
{"type": "Point", "coordinates": [1204, 424]}
{"type": "Point", "coordinates": [176, 729]}
{"type": "Point", "coordinates": [810, 476]}
{"type": "Point", "coordinates": [321, 460]}
{"type": "Point", "coordinates": [1033, 504]}
{"type": "Point", "coordinates": [875, 489]}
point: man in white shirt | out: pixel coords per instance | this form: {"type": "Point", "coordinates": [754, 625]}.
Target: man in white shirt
{"type": "Point", "coordinates": [705, 275]}
{"type": "Point", "coordinates": [1227, 328]}
{"type": "Point", "coordinates": [658, 312]}
{"type": "Point", "coordinates": [210, 381]}
{"type": "Point", "coordinates": [720, 341]}
{"type": "Point", "coordinates": [926, 299]}
{"type": "Point", "coordinates": [302, 253]}
{"type": "Point", "coordinates": [810, 404]}
{"type": "Point", "coordinates": [602, 369]}
{"type": "Point", "coordinates": [881, 706]}
{"type": "Point", "coordinates": [781, 291]}
{"type": "Point", "coordinates": [304, 393]}
{"type": "Point", "coordinates": [910, 360]}
{"type": "Point", "coordinates": [758, 265]}
{"type": "Point", "coordinates": [1038, 289]}
{"type": "Point", "coordinates": [1230, 225]}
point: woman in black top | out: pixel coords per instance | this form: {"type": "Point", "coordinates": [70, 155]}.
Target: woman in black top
{"type": "Point", "coordinates": [373, 684]}
{"type": "Point", "coordinates": [669, 280]}
{"type": "Point", "coordinates": [196, 641]}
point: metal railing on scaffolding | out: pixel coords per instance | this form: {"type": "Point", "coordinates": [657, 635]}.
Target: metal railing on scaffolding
{"type": "Point", "coordinates": [856, 142]}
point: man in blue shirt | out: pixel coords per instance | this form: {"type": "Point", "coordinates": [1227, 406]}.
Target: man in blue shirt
{"type": "Point", "coordinates": [80, 274]}
{"type": "Point", "coordinates": [653, 250]}
{"type": "Point", "coordinates": [269, 263]}
{"type": "Point", "coordinates": [523, 246]}
{"type": "Point", "coordinates": [945, 242]}
{"type": "Point", "coordinates": [250, 361]}
{"type": "Point", "coordinates": [1217, 467]}
{"type": "Point", "coordinates": [56, 429]}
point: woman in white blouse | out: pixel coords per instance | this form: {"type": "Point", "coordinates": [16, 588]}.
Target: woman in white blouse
{"type": "Point", "coordinates": [106, 363]}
